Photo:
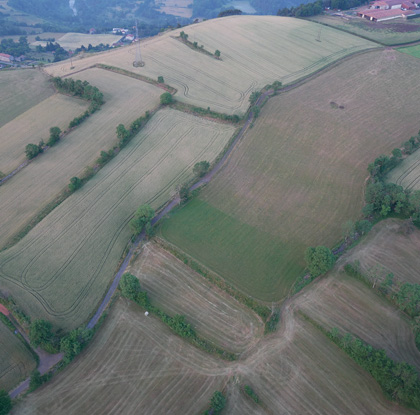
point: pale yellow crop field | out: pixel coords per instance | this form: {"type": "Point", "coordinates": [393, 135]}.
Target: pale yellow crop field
{"type": "Point", "coordinates": [16, 362]}
{"type": "Point", "coordinates": [255, 51]}
{"type": "Point", "coordinates": [71, 41]}
{"type": "Point", "coordinates": [39, 183]}
{"type": "Point", "coordinates": [33, 126]}
{"type": "Point", "coordinates": [21, 90]}
{"type": "Point", "coordinates": [407, 174]}
{"type": "Point", "coordinates": [177, 289]}
{"type": "Point", "coordinates": [61, 269]}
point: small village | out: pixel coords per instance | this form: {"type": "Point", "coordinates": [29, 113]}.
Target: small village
{"type": "Point", "coordinates": [382, 10]}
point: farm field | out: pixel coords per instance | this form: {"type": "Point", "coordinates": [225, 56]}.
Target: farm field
{"type": "Point", "coordinates": [411, 50]}
{"type": "Point", "coordinates": [390, 33]}
{"type": "Point", "coordinates": [255, 51]}
{"type": "Point", "coordinates": [136, 365]}
{"type": "Point", "coordinates": [61, 269]}
{"type": "Point", "coordinates": [391, 248]}
{"type": "Point", "coordinates": [298, 174]}
{"type": "Point", "coordinates": [16, 362]}
{"type": "Point", "coordinates": [33, 126]}
{"type": "Point", "coordinates": [407, 174]}
{"type": "Point", "coordinates": [40, 182]}
{"type": "Point", "coordinates": [21, 90]}
{"type": "Point", "coordinates": [73, 41]}
{"type": "Point", "coordinates": [175, 7]}
{"type": "Point", "coordinates": [177, 289]}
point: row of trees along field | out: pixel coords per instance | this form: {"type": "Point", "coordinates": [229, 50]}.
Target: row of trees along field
{"type": "Point", "coordinates": [317, 7]}
{"type": "Point", "coordinates": [13, 48]}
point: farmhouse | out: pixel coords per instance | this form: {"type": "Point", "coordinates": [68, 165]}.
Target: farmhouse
{"type": "Point", "coordinates": [4, 57]}
{"type": "Point", "coordinates": [381, 15]}
{"type": "Point", "coordinates": [386, 4]}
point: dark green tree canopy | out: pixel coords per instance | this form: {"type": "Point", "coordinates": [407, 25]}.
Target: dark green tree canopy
{"type": "Point", "coordinates": [5, 402]}
{"type": "Point", "coordinates": [166, 98]}
{"type": "Point", "coordinates": [319, 260]}
{"type": "Point", "coordinates": [40, 332]}
{"type": "Point", "coordinates": [142, 217]}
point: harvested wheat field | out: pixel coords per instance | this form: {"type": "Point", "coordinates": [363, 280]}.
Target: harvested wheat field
{"type": "Point", "coordinates": [177, 289]}
{"type": "Point", "coordinates": [407, 173]}
{"type": "Point", "coordinates": [299, 173]}
{"type": "Point", "coordinates": [391, 246]}
{"type": "Point", "coordinates": [136, 365]}
{"type": "Point", "coordinates": [61, 269]}
{"type": "Point", "coordinates": [40, 182]}
{"type": "Point", "coordinates": [255, 51]}
{"type": "Point", "coordinates": [20, 91]}
{"type": "Point", "coordinates": [33, 126]}
{"type": "Point", "coordinates": [16, 362]}
{"type": "Point", "coordinates": [72, 41]}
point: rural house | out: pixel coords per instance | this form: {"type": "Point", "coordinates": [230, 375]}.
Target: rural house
{"type": "Point", "coordinates": [4, 57]}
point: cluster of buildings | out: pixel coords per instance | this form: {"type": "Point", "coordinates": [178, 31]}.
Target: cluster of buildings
{"type": "Point", "coordinates": [381, 10]}
{"type": "Point", "coordinates": [5, 58]}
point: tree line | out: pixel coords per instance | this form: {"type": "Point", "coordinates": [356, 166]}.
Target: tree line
{"type": "Point", "coordinates": [317, 7]}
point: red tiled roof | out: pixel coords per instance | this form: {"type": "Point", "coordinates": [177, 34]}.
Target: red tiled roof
{"type": "Point", "coordinates": [5, 55]}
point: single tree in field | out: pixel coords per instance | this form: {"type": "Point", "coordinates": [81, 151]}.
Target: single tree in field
{"type": "Point", "coordinates": [201, 168]}
{"type": "Point", "coordinates": [161, 80]}
{"type": "Point", "coordinates": [5, 402]}
{"type": "Point", "coordinates": [54, 135]}
{"type": "Point", "coordinates": [319, 260]}
{"type": "Point", "coordinates": [142, 217]}
{"type": "Point", "coordinates": [166, 98]}
{"type": "Point", "coordinates": [217, 53]}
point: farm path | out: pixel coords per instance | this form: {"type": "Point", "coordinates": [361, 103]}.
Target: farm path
{"type": "Point", "coordinates": [46, 360]}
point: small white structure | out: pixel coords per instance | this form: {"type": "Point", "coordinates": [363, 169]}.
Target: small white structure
{"type": "Point", "coordinates": [146, 313]}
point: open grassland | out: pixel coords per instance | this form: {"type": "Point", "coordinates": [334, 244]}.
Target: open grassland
{"type": "Point", "coordinates": [176, 289]}
{"type": "Point", "coordinates": [407, 174]}
{"type": "Point", "coordinates": [348, 304]}
{"type": "Point", "coordinates": [299, 173]}
{"type": "Point", "coordinates": [411, 50]}
{"type": "Point", "coordinates": [33, 126]}
{"type": "Point", "coordinates": [61, 269]}
{"type": "Point", "coordinates": [175, 7]}
{"type": "Point", "coordinates": [255, 51]}
{"type": "Point", "coordinates": [390, 33]}
{"type": "Point", "coordinates": [16, 362]}
{"type": "Point", "coordinates": [136, 365]}
{"type": "Point", "coordinates": [72, 41]}
{"type": "Point", "coordinates": [39, 183]}
{"type": "Point", "coordinates": [20, 91]}
{"type": "Point", "coordinates": [388, 247]}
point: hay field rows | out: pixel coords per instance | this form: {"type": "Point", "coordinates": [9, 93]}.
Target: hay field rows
{"type": "Point", "coordinates": [61, 269]}
{"type": "Point", "coordinates": [299, 173]}
{"type": "Point", "coordinates": [20, 91]}
{"type": "Point", "coordinates": [39, 183]}
{"type": "Point", "coordinates": [255, 51]}
{"type": "Point", "coordinates": [407, 174]}
{"type": "Point", "coordinates": [33, 126]}
{"type": "Point", "coordinates": [136, 365]}
{"type": "Point", "coordinates": [177, 289]}
{"type": "Point", "coordinates": [389, 246]}
{"type": "Point", "coordinates": [16, 362]}
{"type": "Point", "coordinates": [72, 41]}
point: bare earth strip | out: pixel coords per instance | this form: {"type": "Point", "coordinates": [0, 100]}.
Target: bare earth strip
{"type": "Point", "coordinates": [61, 269]}
{"type": "Point", "coordinates": [39, 183]}
{"type": "Point", "coordinates": [392, 249]}
{"type": "Point", "coordinates": [177, 289]}
{"type": "Point", "coordinates": [299, 173]}
{"type": "Point", "coordinates": [255, 51]}
{"type": "Point", "coordinates": [33, 126]}
{"type": "Point", "coordinates": [16, 362]}
{"type": "Point", "coordinates": [20, 91]}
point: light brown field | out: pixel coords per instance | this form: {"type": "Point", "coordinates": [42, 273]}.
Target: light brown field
{"type": "Point", "coordinates": [21, 90]}
{"type": "Point", "coordinates": [177, 289]}
{"type": "Point", "coordinates": [39, 183]}
{"type": "Point", "coordinates": [175, 7]}
{"type": "Point", "coordinates": [136, 365]}
{"type": "Point", "coordinates": [33, 126]}
{"type": "Point", "coordinates": [255, 51]}
{"type": "Point", "coordinates": [16, 362]}
{"type": "Point", "coordinates": [388, 246]}
{"type": "Point", "coordinates": [72, 41]}
{"type": "Point", "coordinates": [298, 175]}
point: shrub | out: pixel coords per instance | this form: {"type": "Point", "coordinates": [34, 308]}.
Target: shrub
{"type": "Point", "coordinates": [166, 98]}
{"type": "Point", "coordinates": [319, 260]}
{"type": "Point", "coordinates": [31, 151]}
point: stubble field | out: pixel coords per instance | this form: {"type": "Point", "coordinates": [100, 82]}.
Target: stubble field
{"type": "Point", "coordinates": [33, 126]}
{"type": "Point", "coordinates": [407, 174]}
{"type": "Point", "coordinates": [40, 182]}
{"type": "Point", "coordinates": [61, 269]}
{"type": "Point", "coordinates": [177, 289]}
{"type": "Point", "coordinates": [16, 362]}
{"type": "Point", "coordinates": [22, 90]}
{"type": "Point", "coordinates": [72, 41]}
{"type": "Point", "coordinates": [255, 51]}
{"type": "Point", "coordinates": [299, 173]}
